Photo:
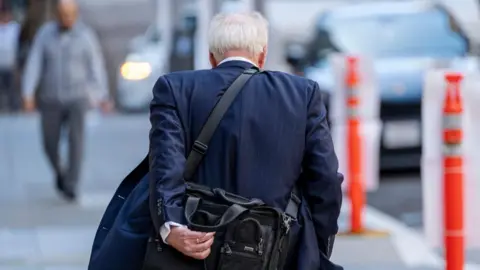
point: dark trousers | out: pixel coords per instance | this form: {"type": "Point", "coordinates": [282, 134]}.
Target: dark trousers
{"type": "Point", "coordinates": [69, 117]}
{"type": "Point", "coordinates": [8, 95]}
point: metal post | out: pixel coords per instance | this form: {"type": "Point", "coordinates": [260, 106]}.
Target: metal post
{"type": "Point", "coordinates": [177, 7]}
{"type": "Point", "coordinates": [259, 5]}
{"type": "Point", "coordinates": [205, 12]}
{"type": "Point", "coordinates": [165, 22]}
{"type": "Point", "coordinates": [217, 6]}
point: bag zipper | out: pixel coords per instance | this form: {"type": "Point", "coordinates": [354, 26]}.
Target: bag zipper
{"type": "Point", "coordinates": [284, 224]}
{"type": "Point", "coordinates": [227, 250]}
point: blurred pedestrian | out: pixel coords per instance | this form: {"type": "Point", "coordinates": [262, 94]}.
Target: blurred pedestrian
{"type": "Point", "coordinates": [9, 35]}
{"type": "Point", "coordinates": [66, 62]}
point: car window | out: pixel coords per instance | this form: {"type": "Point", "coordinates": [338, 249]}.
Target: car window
{"type": "Point", "coordinates": [418, 34]}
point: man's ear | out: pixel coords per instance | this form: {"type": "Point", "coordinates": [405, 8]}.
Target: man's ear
{"type": "Point", "coordinates": [262, 58]}
{"type": "Point", "coordinates": [213, 62]}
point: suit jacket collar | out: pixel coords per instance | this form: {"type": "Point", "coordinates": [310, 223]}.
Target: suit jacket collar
{"type": "Point", "coordinates": [235, 63]}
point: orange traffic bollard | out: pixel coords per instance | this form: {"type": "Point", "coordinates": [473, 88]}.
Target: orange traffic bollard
{"type": "Point", "coordinates": [356, 190]}
{"type": "Point", "coordinates": [453, 188]}
{"type": "Point", "coordinates": [356, 182]}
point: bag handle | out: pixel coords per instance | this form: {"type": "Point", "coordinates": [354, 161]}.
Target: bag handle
{"type": "Point", "coordinates": [230, 215]}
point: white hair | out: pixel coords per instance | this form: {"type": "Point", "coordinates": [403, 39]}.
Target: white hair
{"type": "Point", "coordinates": [246, 31]}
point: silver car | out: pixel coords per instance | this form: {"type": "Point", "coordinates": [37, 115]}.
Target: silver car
{"type": "Point", "coordinates": [144, 63]}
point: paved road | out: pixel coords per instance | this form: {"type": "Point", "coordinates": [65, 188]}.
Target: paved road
{"type": "Point", "coordinates": [406, 202]}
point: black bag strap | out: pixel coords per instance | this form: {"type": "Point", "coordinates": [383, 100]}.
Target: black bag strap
{"type": "Point", "coordinates": [200, 146]}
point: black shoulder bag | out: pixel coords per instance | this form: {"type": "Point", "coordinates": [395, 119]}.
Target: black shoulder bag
{"type": "Point", "coordinates": [249, 234]}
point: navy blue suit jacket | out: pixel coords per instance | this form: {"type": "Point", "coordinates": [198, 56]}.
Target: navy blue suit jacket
{"type": "Point", "coordinates": [274, 136]}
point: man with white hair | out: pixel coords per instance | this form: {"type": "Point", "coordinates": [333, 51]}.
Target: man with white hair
{"type": "Point", "coordinates": [271, 138]}
{"type": "Point", "coordinates": [274, 136]}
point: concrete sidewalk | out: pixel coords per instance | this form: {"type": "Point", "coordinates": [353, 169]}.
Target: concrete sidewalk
{"type": "Point", "coordinates": [371, 252]}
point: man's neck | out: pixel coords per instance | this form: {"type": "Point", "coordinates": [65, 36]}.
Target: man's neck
{"type": "Point", "coordinates": [240, 55]}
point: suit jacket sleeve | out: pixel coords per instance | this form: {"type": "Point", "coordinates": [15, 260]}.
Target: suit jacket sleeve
{"type": "Point", "coordinates": [322, 185]}
{"type": "Point", "coordinates": [167, 153]}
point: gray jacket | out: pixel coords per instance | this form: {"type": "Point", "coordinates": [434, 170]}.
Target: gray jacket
{"type": "Point", "coordinates": [66, 66]}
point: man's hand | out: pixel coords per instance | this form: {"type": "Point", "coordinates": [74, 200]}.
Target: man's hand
{"type": "Point", "coordinates": [193, 244]}
{"type": "Point", "coordinates": [29, 104]}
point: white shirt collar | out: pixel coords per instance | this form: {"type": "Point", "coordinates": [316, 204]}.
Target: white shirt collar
{"type": "Point", "coordinates": [236, 58]}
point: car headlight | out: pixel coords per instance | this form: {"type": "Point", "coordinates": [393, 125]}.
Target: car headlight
{"type": "Point", "coordinates": [135, 70]}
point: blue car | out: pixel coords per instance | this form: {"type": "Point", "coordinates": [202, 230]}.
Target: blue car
{"type": "Point", "coordinates": [404, 39]}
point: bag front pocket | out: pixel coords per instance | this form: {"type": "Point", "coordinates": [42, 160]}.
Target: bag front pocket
{"type": "Point", "coordinates": [236, 256]}
{"type": "Point", "coordinates": [244, 247]}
